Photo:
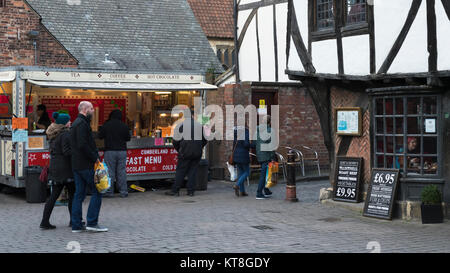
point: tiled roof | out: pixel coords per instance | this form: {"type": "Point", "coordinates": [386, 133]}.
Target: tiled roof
{"type": "Point", "coordinates": [215, 17]}
{"type": "Point", "coordinates": [157, 36]}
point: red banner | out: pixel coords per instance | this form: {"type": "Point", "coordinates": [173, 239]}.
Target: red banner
{"type": "Point", "coordinates": [139, 161]}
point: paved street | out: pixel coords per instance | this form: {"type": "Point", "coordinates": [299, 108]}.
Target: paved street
{"type": "Point", "coordinates": [215, 221]}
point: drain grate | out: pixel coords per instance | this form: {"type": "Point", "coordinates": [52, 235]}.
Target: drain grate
{"type": "Point", "coordinates": [263, 227]}
{"type": "Point", "coordinates": [330, 219]}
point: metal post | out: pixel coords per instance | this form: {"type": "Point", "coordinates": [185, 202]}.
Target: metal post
{"type": "Point", "coordinates": [291, 190]}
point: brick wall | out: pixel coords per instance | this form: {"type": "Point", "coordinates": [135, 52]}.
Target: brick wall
{"type": "Point", "coordinates": [360, 146]}
{"type": "Point", "coordinates": [299, 122]}
{"type": "Point", "coordinates": [17, 49]}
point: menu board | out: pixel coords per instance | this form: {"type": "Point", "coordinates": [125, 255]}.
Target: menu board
{"type": "Point", "coordinates": [348, 121]}
{"type": "Point", "coordinates": [381, 193]}
{"type": "Point", "coordinates": [105, 105]}
{"type": "Point", "coordinates": [348, 179]}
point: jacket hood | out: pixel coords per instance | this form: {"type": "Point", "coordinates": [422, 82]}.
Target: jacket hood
{"type": "Point", "coordinates": [54, 130]}
{"type": "Point", "coordinates": [115, 114]}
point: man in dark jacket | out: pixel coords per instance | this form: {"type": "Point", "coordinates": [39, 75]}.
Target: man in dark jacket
{"type": "Point", "coordinates": [241, 157]}
{"type": "Point", "coordinates": [84, 156]}
{"type": "Point", "coordinates": [116, 134]}
{"type": "Point", "coordinates": [189, 143]}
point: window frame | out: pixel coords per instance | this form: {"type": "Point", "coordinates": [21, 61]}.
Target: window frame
{"type": "Point", "coordinates": [346, 30]}
{"type": "Point", "coordinates": [421, 135]}
{"type": "Point", "coordinates": [2, 3]}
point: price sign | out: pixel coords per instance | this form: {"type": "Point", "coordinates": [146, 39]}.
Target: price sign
{"type": "Point", "coordinates": [347, 179]}
{"type": "Point", "coordinates": [381, 193]}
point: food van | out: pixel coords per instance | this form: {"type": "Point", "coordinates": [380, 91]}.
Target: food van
{"type": "Point", "coordinates": [146, 101]}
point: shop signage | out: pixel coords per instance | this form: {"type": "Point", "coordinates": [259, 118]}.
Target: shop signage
{"type": "Point", "coordinates": [347, 179]}
{"type": "Point", "coordinates": [20, 123]}
{"type": "Point", "coordinates": [381, 193]}
{"type": "Point", "coordinates": [430, 125]}
{"type": "Point", "coordinates": [348, 121]}
{"type": "Point", "coordinates": [20, 136]}
{"type": "Point", "coordinates": [35, 143]}
{"type": "Point", "coordinates": [139, 161]}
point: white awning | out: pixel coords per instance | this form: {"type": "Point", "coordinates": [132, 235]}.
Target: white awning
{"type": "Point", "coordinates": [126, 86]}
{"type": "Point", "coordinates": [7, 76]}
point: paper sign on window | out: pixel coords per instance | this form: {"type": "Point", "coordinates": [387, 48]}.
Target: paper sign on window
{"type": "Point", "coordinates": [430, 126]}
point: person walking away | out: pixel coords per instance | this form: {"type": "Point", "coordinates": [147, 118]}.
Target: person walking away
{"type": "Point", "coordinates": [241, 157]}
{"type": "Point", "coordinates": [60, 169]}
{"type": "Point", "coordinates": [264, 157]}
{"type": "Point", "coordinates": [84, 156]}
{"type": "Point", "coordinates": [116, 135]}
{"type": "Point", "coordinates": [189, 154]}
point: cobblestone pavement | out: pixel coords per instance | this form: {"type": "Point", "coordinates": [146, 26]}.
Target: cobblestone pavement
{"type": "Point", "coordinates": [215, 221]}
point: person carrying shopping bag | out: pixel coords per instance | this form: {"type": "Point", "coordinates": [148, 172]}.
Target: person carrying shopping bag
{"type": "Point", "coordinates": [264, 158]}
{"type": "Point", "coordinates": [241, 158]}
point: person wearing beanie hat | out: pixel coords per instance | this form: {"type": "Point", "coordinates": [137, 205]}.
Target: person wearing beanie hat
{"type": "Point", "coordinates": [60, 170]}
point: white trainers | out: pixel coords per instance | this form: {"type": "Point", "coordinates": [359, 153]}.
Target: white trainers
{"type": "Point", "coordinates": [97, 228]}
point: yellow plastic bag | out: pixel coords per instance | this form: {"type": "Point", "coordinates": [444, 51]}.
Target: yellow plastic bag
{"type": "Point", "coordinates": [271, 174]}
{"type": "Point", "coordinates": [102, 180]}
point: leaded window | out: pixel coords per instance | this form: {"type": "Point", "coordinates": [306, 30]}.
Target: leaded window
{"type": "Point", "coordinates": [325, 18]}
{"type": "Point", "coordinates": [406, 130]}
{"type": "Point", "coordinates": [356, 12]}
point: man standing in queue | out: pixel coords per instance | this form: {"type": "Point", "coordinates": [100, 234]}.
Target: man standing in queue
{"type": "Point", "coordinates": [188, 140]}
{"type": "Point", "coordinates": [84, 156]}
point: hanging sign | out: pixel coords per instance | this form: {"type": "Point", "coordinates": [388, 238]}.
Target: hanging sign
{"type": "Point", "coordinates": [347, 179]}
{"type": "Point", "coordinates": [381, 193]}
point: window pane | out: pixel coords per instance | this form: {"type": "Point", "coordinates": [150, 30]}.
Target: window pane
{"type": "Point", "coordinates": [430, 165]}
{"type": "Point", "coordinates": [380, 126]}
{"type": "Point", "coordinates": [399, 106]}
{"type": "Point", "coordinates": [430, 145]}
{"type": "Point", "coordinates": [399, 126]}
{"type": "Point", "coordinates": [398, 162]}
{"type": "Point", "coordinates": [325, 14]}
{"type": "Point", "coordinates": [380, 145]}
{"type": "Point", "coordinates": [389, 125]}
{"type": "Point", "coordinates": [390, 144]}
{"type": "Point", "coordinates": [413, 105]}
{"type": "Point", "coordinates": [429, 105]}
{"type": "Point", "coordinates": [380, 161]}
{"type": "Point", "coordinates": [413, 126]}
{"type": "Point", "coordinates": [389, 107]}
{"type": "Point", "coordinates": [390, 162]}
{"type": "Point", "coordinates": [399, 145]}
{"type": "Point", "coordinates": [379, 103]}
{"type": "Point", "coordinates": [356, 11]}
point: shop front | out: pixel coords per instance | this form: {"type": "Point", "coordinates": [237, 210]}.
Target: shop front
{"type": "Point", "coordinates": [146, 101]}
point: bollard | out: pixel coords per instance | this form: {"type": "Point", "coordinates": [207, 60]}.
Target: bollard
{"type": "Point", "coordinates": [291, 190]}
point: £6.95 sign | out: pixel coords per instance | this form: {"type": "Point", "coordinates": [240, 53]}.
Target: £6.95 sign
{"type": "Point", "coordinates": [138, 160]}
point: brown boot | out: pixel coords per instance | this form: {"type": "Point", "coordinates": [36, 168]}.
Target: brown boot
{"type": "Point", "coordinates": [236, 190]}
{"type": "Point", "coordinates": [243, 194]}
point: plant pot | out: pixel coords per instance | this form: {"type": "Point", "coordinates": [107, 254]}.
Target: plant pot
{"type": "Point", "coordinates": [432, 214]}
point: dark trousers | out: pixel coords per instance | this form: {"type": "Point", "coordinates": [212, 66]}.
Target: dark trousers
{"type": "Point", "coordinates": [85, 179]}
{"type": "Point", "coordinates": [186, 167]}
{"type": "Point", "coordinates": [56, 191]}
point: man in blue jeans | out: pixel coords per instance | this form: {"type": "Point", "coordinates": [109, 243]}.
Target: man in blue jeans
{"type": "Point", "coordinates": [84, 156]}
{"type": "Point", "coordinates": [264, 157]}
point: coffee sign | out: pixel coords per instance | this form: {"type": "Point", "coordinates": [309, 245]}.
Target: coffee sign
{"type": "Point", "coordinates": [381, 193]}
{"type": "Point", "coordinates": [348, 179]}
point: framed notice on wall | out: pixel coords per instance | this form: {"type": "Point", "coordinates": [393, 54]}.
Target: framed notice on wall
{"type": "Point", "coordinates": [348, 121]}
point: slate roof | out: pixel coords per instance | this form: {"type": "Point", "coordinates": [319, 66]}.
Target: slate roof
{"type": "Point", "coordinates": [215, 17]}
{"type": "Point", "coordinates": [139, 35]}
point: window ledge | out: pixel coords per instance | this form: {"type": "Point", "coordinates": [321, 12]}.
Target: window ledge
{"type": "Point", "coordinates": [422, 179]}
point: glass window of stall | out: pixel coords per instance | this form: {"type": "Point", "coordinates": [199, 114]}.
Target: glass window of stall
{"type": "Point", "coordinates": [5, 105]}
{"type": "Point", "coordinates": [407, 134]}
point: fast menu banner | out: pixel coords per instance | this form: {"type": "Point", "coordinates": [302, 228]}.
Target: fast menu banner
{"type": "Point", "coordinates": [139, 161]}
{"type": "Point", "coordinates": [105, 106]}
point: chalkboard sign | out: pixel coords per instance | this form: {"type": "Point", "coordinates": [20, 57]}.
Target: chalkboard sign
{"type": "Point", "coordinates": [348, 179]}
{"type": "Point", "coordinates": [381, 193]}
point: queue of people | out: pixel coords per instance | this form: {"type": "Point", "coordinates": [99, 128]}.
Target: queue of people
{"type": "Point", "coordinates": [74, 153]}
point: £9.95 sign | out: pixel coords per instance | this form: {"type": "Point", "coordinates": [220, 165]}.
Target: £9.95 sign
{"type": "Point", "coordinates": [139, 161]}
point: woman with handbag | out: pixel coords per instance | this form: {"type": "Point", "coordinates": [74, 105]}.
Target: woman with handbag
{"type": "Point", "coordinates": [60, 169]}
{"type": "Point", "coordinates": [241, 158]}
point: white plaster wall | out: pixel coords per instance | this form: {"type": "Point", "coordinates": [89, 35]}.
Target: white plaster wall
{"type": "Point", "coordinates": [443, 34]}
{"type": "Point", "coordinates": [301, 10]}
{"type": "Point", "coordinates": [356, 51]}
{"type": "Point", "coordinates": [324, 56]}
{"type": "Point", "coordinates": [248, 55]}
{"type": "Point", "coordinates": [266, 44]}
{"type": "Point", "coordinates": [281, 38]}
